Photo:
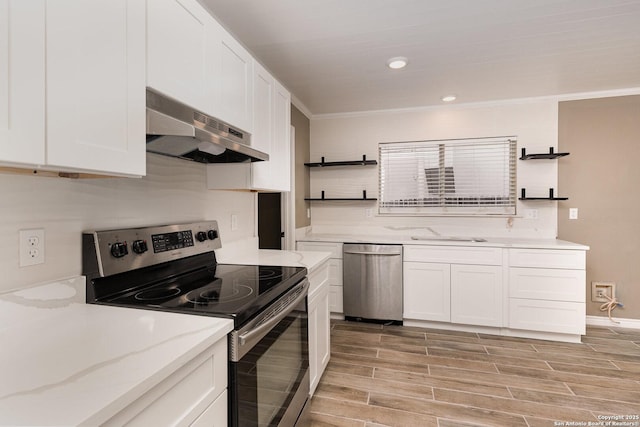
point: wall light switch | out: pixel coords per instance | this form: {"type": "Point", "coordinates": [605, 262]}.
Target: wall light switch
{"type": "Point", "coordinates": [234, 222]}
{"type": "Point", "coordinates": [573, 213]}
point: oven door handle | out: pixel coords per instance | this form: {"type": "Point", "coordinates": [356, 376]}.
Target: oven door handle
{"type": "Point", "coordinates": [271, 322]}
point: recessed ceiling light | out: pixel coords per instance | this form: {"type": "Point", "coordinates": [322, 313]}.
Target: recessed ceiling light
{"type": "Point", "coordinates": [448, 98]}
{"type": "Point", "coordinates": [397, 62]}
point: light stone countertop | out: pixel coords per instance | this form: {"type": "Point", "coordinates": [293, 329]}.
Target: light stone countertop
{"type": "Point", "coordinates": [502, 242]}
{"type": "Point", "coordinates": [307, 259]}
{"type": "Point", "coordinates": [66, 363]}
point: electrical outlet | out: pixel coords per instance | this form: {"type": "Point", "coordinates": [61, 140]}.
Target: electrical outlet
{"type": "Point", "coordinates": [531, 213]}
{"type": "Point", "coordinates": [31, 247]}
{"type": "Point", "coordinates": [599, 289]}
{"type": "Point", "coordinates": [573, 213]}
{"type": "Point", "coordinates": [369, 213]}
{"type": "Point", "coordinates": [234, 222]}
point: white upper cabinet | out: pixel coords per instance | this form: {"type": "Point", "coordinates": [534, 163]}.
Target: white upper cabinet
{"type": "Point", "coordinates": [272, 121]}
{"type": "Point", "coordinates": [271, 134]}
{"type": "Point", "coordinates": [22, 78]}
{"type": "Point", "coordinates": [77, 67]}
{"type": "Point", "coordinates": [95, 98]}
{"type": "Point", "coordinates": [183, 51]}
{"type": "Point", "coordinates": [263, 109]}
{"type": "Point", "coordinates": [281, 152]}
{"type": "Point", "coordinates": [235, 104]}
{"type": "Point", "coordinates": [191, 58]}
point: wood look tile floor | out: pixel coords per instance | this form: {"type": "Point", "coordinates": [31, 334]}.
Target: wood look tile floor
{"type": "Point", "coordinates": [406, 376]}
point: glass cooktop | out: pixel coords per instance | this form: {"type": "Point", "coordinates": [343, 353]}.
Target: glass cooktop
{"type": "Point", "coordinates": [234, 291]}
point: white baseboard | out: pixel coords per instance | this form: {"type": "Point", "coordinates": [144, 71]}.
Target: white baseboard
{"type": "Point", "coordinates": [604, 321]}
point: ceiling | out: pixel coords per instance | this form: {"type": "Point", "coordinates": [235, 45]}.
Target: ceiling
{"type": "Point", "coordinates": [332, 54]}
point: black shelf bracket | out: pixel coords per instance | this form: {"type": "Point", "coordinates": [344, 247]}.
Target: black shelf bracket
{"type": "Point", "coordinates": [523, 196]}
{"type": "Point", "coordinates": [550, 155]}
{"type": "Point", "coordinates": [334, 199]}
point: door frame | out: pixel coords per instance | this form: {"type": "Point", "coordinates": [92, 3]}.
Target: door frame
{"type": "Point", "coordinates": [288, 200]}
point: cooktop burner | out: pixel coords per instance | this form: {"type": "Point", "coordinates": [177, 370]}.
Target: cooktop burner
{"type": "Point", "coordinates": [215, 294]}
{"type": "Point", "coordinates": [235, 291]}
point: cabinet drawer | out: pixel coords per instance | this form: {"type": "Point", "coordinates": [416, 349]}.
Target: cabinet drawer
{"type": "Point", "coordinates": [334, 247]}
{"type": "Point", "coordinates": [547, 258]}
{"type": "Point", "coordinates": [453, 254]}
{"type": "Point", "coordinates": [547, 284]}
{"type": "Point", "coordinates": [547, 316]}
{"type": "Point", "coordinates": [215, 415]}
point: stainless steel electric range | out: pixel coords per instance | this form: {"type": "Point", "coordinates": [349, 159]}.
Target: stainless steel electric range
{"type": "Point", "coordinates": [174, 268]}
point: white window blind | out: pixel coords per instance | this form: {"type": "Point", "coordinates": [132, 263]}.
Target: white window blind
{"type": "Point", "coordinates": [457, 177]}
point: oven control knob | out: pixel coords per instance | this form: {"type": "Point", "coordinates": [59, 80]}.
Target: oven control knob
{"type": "Point", "coordinates": [119, 249]}
{"type": "Point", "coordinates": [212, 234]}
{"type": "Point", "coordinates": [139, 246]}
{"type": "Point", "coordinates": [201, 236]}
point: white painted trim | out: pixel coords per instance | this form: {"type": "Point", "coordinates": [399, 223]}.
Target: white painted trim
{"type": "Point", "coordinates": [300, 106]}
{"type": "Point", "coordinates": [604, 321]}
{"type": "Point", "coordinates": [484, 104]}
{"type": "Point", "coordinates": [288, 199]}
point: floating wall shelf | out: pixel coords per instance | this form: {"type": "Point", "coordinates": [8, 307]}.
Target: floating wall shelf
{"type": "Point", "coordinates": [523, 196]}
{"type": "Point", "coordinates": [550, 155]}
{"type": "Point", "coordinates": [333, 199]}
{"type": "Point", "coordinates": [363, 162]}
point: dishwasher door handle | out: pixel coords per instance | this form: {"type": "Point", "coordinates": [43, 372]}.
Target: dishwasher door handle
{"type": "Point", "coordinates": [373, 253]}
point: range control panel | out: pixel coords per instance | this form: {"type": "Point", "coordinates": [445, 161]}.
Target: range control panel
{"type": "Point", "coordinates": [128, 249]}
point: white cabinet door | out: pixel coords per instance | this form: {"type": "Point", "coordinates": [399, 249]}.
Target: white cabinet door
{"type": "Point", "coordinates": [235, 104]}
{"type": "Point", "coordinates": [319, 336]}
{"type": "Point", "coordinates": [183, 59]}
{"type": "Point", "coordinates": [262, 173]}
{"type": "Point", "coordinates": [95, 97]}
{"type": "Point", "coordinates": [476, 294]}
{"type": "Point", "coordinates": [281, 153]}
{"type": "Point", "coordinates": [427, 291]}
{"type": "Point", "coordinates": [263, 115]}
{"type": "Point", "coordinates": [22, 80]}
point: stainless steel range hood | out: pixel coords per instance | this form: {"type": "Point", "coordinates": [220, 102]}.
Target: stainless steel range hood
{"type": "Point", "coordinates": [177, 130]}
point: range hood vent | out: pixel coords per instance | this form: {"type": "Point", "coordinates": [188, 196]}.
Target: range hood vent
{"type": "Point", "coordinates": [177, 130]}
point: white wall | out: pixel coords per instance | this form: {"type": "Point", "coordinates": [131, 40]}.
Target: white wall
{"type": "Point", "coordinates": [347, 137]}
{"type": "Point", "coordinates": [173, 191]}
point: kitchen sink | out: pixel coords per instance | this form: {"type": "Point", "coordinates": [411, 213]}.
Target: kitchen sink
{"type": "Point", "coordinates": [448, 239]}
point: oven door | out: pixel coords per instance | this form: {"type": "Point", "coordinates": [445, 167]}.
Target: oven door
{"type": "Point", "coordinates": [269, 367]}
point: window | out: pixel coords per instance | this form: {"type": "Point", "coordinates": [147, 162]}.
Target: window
{"type": "Point", "coordinates": [448, 177]}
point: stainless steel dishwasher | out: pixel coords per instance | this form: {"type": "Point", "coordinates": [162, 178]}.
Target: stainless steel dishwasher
{"type": "Point", "coordinates": [372, 282]}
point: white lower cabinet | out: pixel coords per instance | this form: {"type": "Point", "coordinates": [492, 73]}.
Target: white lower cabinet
{"type": "Point", "coordinates": [476, 294]}
{"type": "Point", "coordinates": [335, 270]}
{"type": "Point", "coordinates": [469, 294]}
{"type": "Point", "coordinates": [193, 395]}
{"type": "Point", "coordinates": [427, 291]}
{"type": "Point", "coordinates": [547, 290]}
{"type": "Point", "coordinates": [216, 415]}
{"type": "Point", "coordinates": [319, 327]}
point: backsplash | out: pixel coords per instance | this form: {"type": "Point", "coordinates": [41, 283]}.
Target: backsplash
{"type": "Point", "coordinates": [173, 191]}
{"type": "Point", "coordinates": [350, 136]}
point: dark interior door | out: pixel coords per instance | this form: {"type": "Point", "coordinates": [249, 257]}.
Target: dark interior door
{"type": "Point", "coordinates": [269, 221]}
